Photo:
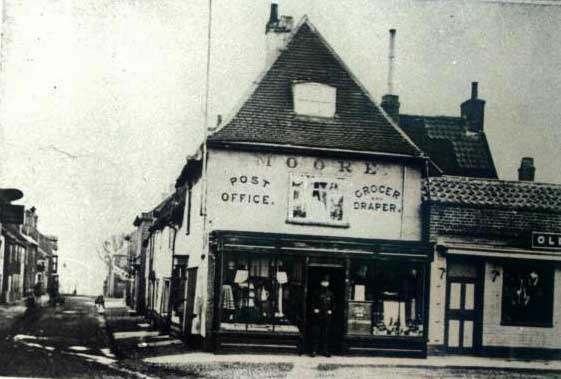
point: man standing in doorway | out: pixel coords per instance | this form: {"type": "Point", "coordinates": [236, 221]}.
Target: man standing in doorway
{"type": "Point", "coordinates": [323, 304]}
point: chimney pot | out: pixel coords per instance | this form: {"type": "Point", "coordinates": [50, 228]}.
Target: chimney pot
{"type": "Point", "coordinates": [527, 170]}
{"type": "Point", "coordinates": [473, 110]}
{"type": "Point", "coordinates": [390, 101]}
{"type": "Point", "coordinates": [474, 90]}
{"type": "Point", "coordinates": [277, 32]}
{"type": "Point", "coordinates": [273, 17]}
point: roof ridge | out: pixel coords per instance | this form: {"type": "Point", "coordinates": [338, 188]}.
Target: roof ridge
{"type": "Point", "coordinates": [398, 137]}
{"type": "Point", "coordinates": [364, 89]}
{"type": "Point", "coordinates": [458, 178]}
{"type": "Point", "coordinates": [431, 116]}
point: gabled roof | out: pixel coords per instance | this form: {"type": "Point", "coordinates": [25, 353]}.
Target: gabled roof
{"type": "Point", "coordinates": [171, 210]}
{"type": "Point", "coordinates": [12, 232]}
{"type": "Point", "coordinates": [449, 144]}
{"type": "Point", "coordinates": [267, 116]}
{"type": "Point", "coordinates": [45, 245]}
{"type": "Point", "coordinates": [493, 193]}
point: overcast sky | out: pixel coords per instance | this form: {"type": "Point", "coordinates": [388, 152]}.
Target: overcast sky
{"type": "Point", "coordinates": [102, 100]}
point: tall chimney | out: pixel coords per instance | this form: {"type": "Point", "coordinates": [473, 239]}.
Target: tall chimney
{"type": "Point", "coordinates": [473, 110]}
{"type": "Point", "coordinates": [391, 57]}
{"type": "Point", "coordinates": [273, 18]}
{"type": "Point", "coordinates": [527, 170]}
{"type": "Point", "coordinates": [390, 101]}
{"type": "Point", "coordinates": [474, 86]}
{"type": "Point", "coordinates": [277, 32]}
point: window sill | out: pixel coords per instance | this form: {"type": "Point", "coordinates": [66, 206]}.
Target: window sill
{"type": "Point", "coordinates": [324, 119]}
{"type": "Point", "coordinates": [527, 325]}
{"type": "Point", "coordinates": [318, 223]}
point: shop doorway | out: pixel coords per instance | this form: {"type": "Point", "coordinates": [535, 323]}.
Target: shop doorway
{"type": "Point", "coordinates": [336, 275]}
{"type": "Point", "coordinates": [463, 308]}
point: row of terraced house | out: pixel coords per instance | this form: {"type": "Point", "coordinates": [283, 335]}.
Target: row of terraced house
{"type": "Point", "coordinates": [28, 258]}
{"type": "Point", "coordinates": [427, 250]}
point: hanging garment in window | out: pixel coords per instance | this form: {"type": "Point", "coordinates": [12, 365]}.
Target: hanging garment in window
{"type": "Point", "coordinates": [228, 301]}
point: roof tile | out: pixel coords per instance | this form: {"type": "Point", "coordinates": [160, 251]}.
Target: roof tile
{"type": "Point", "coordinates": [515, 195]}
{"type": "Point", "coordinates": [268, 116]}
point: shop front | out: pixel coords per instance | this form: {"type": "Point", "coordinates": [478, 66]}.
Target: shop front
{"type": "Point", "coordinates": [265, 285]}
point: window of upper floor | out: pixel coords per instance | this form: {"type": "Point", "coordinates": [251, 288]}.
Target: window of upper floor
{"type": "Point", "coordinates": [314, 99]}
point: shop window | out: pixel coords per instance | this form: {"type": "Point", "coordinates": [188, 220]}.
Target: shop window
{"type": "Point", "coordinates": [314, 99]}
{"type": "Point", "coordinates": [387, 298]}
{"type": "Point", "coordinates": [317, 200]}
{"type": "Point", "coordinates": [262, 293]}
{"type": "Point", "coordinates": [527, 295]}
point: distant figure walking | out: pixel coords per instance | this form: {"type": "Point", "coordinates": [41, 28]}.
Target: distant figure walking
{"type": "Point", "coordinates": [52, 290]}
{"type": "Point", "coordinates": [100, 303]}
{"type": "Point", "coordinates": [37, 292]}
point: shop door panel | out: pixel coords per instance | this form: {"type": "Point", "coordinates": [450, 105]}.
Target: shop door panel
{"type": "Point", "coordinates": [461, 315]}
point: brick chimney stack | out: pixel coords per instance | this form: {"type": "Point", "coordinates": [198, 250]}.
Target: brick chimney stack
{"type": "Point", "coordinates": [277, 32]}
{"type": "Point", "coordinates": [390, 101]}
{"type": "Point", "coordinates": [527, 170]}
{"type": "Point", "coordinates": [473, 110]}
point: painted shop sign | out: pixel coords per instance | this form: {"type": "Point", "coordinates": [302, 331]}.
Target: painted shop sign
{"type": "Point", "coordinates": [377, 198]}
{"type": "Point", "coordinates": [543, 240]}
{"type": "Point", "coordinates": [319, 165]}
{"type": "Point", "coordinates": [292, 194]}
{"type": "Point", "coordinates": [247, 194]}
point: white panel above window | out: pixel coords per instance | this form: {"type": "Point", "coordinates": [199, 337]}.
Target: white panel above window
{"type": "Point", "coordinates": [314, 99]}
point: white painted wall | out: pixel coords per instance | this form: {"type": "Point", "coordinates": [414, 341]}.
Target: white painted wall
{"type": "Point", "coordinates": [268, 178]}
{"type": "Point", "coordinates": [162, 264]}
{"type": "Point", "coordinates": [437, 305]}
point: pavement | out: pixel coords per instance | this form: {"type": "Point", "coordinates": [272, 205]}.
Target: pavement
{"type": "Point", "coordinates": [75, 341]}
{"type": "Point", "coordinates": [209, 365]}
{"type": "Point", "coordinates": [133, 337]}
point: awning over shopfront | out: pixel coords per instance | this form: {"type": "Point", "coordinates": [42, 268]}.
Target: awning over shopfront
{"type": "Point", "coordinates": [294, 244]}
{"type": "Point", "coordinates": [496, 251]}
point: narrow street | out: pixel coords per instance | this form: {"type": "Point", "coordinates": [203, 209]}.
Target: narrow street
{"type": "Point", "coordinates": [63, 342]}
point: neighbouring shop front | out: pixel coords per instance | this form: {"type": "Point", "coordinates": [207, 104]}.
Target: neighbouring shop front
{"type": "Point", "coordinates": [500, 300]}
{"type": "Point", "coordinates": [497, 272]}
{"type": "Point", "coordinates": [265, 283]}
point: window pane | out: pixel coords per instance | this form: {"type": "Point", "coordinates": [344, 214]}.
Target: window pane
{"type": "Point", "coordinates": [262, 293]}
{"type": "Point", "coordinates": [386, 298]}
{"type": "Point", "coordinates": [455, 295]}
{"type": "Point", "coordinates": [527, 295]}
{"type": "Point", "coordinates": [470, 296]}
{"type": "Point", "coordinates": [468, 334]}
{"type": "Point", "coordinates": [453, 333]}
{"type": "Point", "coordinates": [314, 99]}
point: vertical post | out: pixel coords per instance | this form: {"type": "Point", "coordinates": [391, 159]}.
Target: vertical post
{"type": "Point", "coordinates": [346, 300]}
{"type": "Point", "coordinates": [426, 303]}
{"type": "Point", "coordinates": [305, 306]}
{"type": "Point", "coordinates": [391, 58]}
{"type": "Point", "coordinates": [206, 111]}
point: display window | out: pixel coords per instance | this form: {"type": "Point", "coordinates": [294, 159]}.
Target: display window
{"type": "Point", "coordinates": [262, 293]}
{"type": "Point", "coordinates": [387, 298]}
{"type": "Point", "coordinates": [527, 295]}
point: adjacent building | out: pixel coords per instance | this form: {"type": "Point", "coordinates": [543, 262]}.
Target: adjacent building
{"type": "Point", "coordinates": [29, 259]}
{"type": "Point", "coordinates": [496, 284]}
